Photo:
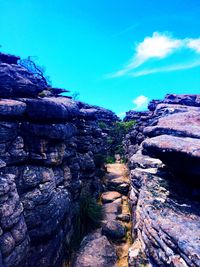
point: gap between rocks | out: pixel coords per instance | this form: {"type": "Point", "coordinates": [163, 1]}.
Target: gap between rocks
{"type": "Point", "coordinates": [117, 221]}
{"type": "Point", "coordinates": [109, 245]}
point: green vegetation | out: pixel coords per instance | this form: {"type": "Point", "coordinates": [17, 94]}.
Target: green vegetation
{"type": "Point", "coordinates": [116, 136]}
{"type": "Point", "coordinates": [110, 160]}
{"type": "Point", "coordinates": [124, 127]}
{"type": "Point", "coordinates": [89, 218]}
{"type": "Point", "coordinates": [102, 125]}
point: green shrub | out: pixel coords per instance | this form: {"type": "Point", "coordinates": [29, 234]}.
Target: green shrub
{"type": "Point", "coordinates": [110, 159]}
{"type": "Point", "coordinates": [102, 125]}
{"type": "Point", "coordinates": [89, 218]}
{"type": "Point", "coordinates": [117, 135]}
{"type": "Point", "coordinates": [122, 127]}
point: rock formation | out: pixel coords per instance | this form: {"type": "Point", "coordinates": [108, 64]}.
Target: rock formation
{"type": "Point", "coordinates": [163, 152]}
{"type": "Point", "coordinates": [49, 149]}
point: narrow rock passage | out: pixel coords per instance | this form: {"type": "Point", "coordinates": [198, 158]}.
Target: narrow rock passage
{"type": "Point", "coordinates": [117, 221]}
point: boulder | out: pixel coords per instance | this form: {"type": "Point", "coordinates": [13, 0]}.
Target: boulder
{"type": "Point", "coordinates": [11, 108]}
{"type": "Point", "coordinates": [114, 230]}
{"type": "Point", "coordinates": [124, 217]}
{"type": "Point", "coordinates": [51, 109]}
{"type": "Point", "coordinates": [110, 196]}
{"type": "Point", "coordinates": [119, 185]}
{"type": "Point", "coordinates": [50, 131]}
{"type": "Point", "coordinates": [186, 124]}
{"type": "Point", "coordinates": [138, 160]}
{"type": "Point", "coordinates": [183, 99]}
{"type": "Point", "coordinates": [16, 81]}
{"type": "Point", "coordinates": [95, 251]}
{"type": "Point", "coordinates": [182, 155]}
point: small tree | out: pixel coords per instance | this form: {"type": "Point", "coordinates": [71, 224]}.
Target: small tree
{"type": "Point", "coordinates": [75, 95]}
{"type": "Point", "coordinates": [36, 70]}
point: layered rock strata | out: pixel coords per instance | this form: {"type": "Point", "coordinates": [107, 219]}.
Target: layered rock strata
{"type": "Point", "coordinates": [163, 155]}
{"type": "Point", "coordinates": [49, 149]}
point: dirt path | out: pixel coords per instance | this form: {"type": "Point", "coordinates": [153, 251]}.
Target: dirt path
{"type": "Point", "coordinates": [117, 212]}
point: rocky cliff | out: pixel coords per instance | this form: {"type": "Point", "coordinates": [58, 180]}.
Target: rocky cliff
{"type": "Point", "coordinates": [49, 149]}
{"type": "Point", "coordinates": [163, 152]}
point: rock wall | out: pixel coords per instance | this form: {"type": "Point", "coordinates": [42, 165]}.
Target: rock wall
{"type": "Point", "coordinates": [163, 152]}
{"type": "Point", "coordinates": [49, 149]}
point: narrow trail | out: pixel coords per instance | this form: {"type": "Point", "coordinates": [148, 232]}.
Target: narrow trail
{"type": "Point", "coordinates": [117, 211]}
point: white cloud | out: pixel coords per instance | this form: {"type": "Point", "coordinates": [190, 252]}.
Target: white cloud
{"type": "Point", "coordinates": [194, 44]}
{"type": "Point", "coordinates": [158, 46]}
{"type": "Point", "coordinates": [121, 115]}
{"type": "Point", "coordinates": [141, 102]}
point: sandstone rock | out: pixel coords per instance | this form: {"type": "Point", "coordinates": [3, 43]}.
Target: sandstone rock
{"type": "Point", "coordinates": [184, 99]}
{"type": "Point", "coordinates": [110, 196]}
{"type": "Point", "coordinates": [9, 59]}
{"type": "Point", "coordinates": [136, 255]}
{"type": "Point", "coordinates": [143, 161]}
{"type": "Point", "coordinates": [47, 151]}
{"type": "Point", "coordinates": [119, 185]}
{"type": "Point", "coordinates": [11, 108]}
{"type": "Point", "coordinates": [8, 131]}
{"type": "Point", "coordinates": [95, 251]}
{"type": "Point", "coordinates": [50, 131]}
{"type": "Point", "coordinates": [51, 109]}
{"type": "Point", "coordinates": [124, 217]}
{"type": "Point", "coordinates": [164, 109]}
{"type": "Point", "coordinates": [16, 81]}
{"type": "Point", "coordinates": [113, 207]}
{"type": "Point", "coordinates": [182, 155]}
{"type": "Point", "coordinates": [114, 230]}
{"type": "Point", "coordinates": [185, 124]}
{"type": "Point", "coordinates": [13, 152]}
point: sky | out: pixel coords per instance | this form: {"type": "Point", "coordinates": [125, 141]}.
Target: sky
{"type": "Point", "coordinates": [116, 54]}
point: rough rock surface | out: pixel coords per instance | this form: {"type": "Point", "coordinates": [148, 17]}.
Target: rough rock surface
{"type": "Point", "coordinates": [49, 149]}
{"type": "Point", "coordinates": [96, 251]}
{"type": "Point", "coordinates": [163, 156]}
{"type": "Point", "coordinates": [114, 230]}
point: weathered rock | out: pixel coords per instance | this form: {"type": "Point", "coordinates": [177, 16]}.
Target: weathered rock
{"type": "Point", "coordinates": [50, 131]}
{"type": "Point", "coordinates": [11, 108]}
{"type": "Point", "coordinates": [184, 99]}
{"type": "Point", "coordinates": [124, 217]}
{"type": "Point", "coordinates": [182, 155]}
{"type": "Point", "coordinates": [16, 81]}
{"type": "Point", "coordinates": [9, 59]}
{"type": "Point", "coordinates": [49, 143]}
{"type": "Point", "coordinates": [185, 124]}
{"type": "Point", "coordinates": [114, 230]}
{"type": "Point", "coordinates": [143, 161]}
{"type": "Point", "coordinates": [95, 251]}
{"type": "Point", "coordinates": [51, 109]}
{"type": "Point", "coordinates": [110, 196]}
{"type": "Point", "coordinates": [119, 185]}
{"type": "Point", "coordinates": [165, 198]}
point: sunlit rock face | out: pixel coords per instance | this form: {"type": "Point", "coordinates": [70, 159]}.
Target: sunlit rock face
{"type": "Point", "coordinates": [163, 155]}
{"type": "Point", "coordinates": [48, 149]}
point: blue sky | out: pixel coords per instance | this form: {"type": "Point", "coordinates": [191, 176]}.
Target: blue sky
{"type": "Point", "coordinates": [114, 53]}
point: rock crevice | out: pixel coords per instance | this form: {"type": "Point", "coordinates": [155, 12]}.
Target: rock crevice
{"type": "Point", "coordinates": [163, 156]}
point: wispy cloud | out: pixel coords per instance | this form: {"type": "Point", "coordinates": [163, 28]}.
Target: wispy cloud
{"type": "Point", "coordinates": [130, 28]}
{"type": "Point", "coordinates": [158, 46]}
{"type": "Point", "coordinates": [167, 68]}
{"type": "Point", "coordinates": [140, 102]}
